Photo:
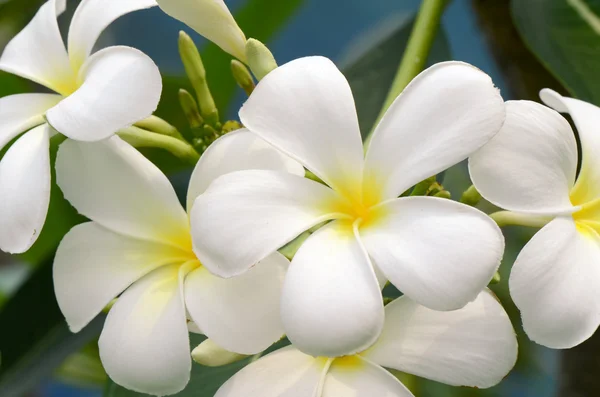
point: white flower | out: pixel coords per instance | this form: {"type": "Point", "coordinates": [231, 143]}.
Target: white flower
{"type": "Point", "coordinates": [438, 252]}
{"type": "Point", "coordinates": [530, 167]}
{"type": "Point", "coordinates": [138, 247]}
{"type": "Point", "coordinates": [474, 346]}
{"type": "Point", "coordinates": [212, 19]}
{"type": "Point", "coordinates": [96, 96]}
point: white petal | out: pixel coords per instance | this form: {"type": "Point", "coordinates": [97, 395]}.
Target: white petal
{"type": "Point", "coordinates": [24, 190]}
{"type": "Point", "coordinates": [331, 303]}
{"type": "Point", "coordinates": [21, 112]}
{"type": "Point", "coordinates": [587, 118]}
{"type": "Point", "coordinates": [241, 314]}
{"type": "Point", "coordinates": [284, 373]}
{"type": "Point", "coordinates": [306, 109]}
{"type": "Point", "coordinates": [475, 346]}
{"type": "Point", "coordinates": [91, 18]}
{"type": "Point", "coordinates": [236, 151]}
{"type": "Point", "coordinates": [356, 377]}
{"type": "Point", "coordinates": [113, 184]}
{"type": "Point", "coordinates": [38, 52]}
{"type": "Point", "coordinates": [554, 282]}
{"type": "Point", "coordinates": [144, 345]}
{"type": "Point", "coordinates": [530, 165]}
{"type": "Point", "coordinates": [212, 19]}
{"type": "Point", "coordinates": [444, 115]}
{"type": "Point", "coordinates": [438, 252]}
{"type": "Point", "coordinates": [247, 215]}
{"type": "Point", "coordinates": [93, 265]}
{"type": "Point", "coordinates": [121, 85]}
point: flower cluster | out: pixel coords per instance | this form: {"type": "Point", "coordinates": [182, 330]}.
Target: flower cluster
{"type": "Point", "coordinates": [297, 167]}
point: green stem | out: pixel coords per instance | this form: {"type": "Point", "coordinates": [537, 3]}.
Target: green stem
{"type": "Point", "coordinates": [506, 218]}
{"type": "Point", "coordinates": [160, 126]}
{"type": "Point", "coordinates": [141, 138]}
{"type": "Point", "coordinates": [417, 50]}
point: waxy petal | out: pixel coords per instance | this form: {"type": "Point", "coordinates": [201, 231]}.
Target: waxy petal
{"type": "Point", "coordinates": [38, 52]}
{"type": "Point", "coordinates": [306, 109]}
{"type": "Point", "coordinates": [241, 313]}
{"type": "Point", "coordinates": [444, 115]}
{"type": "Point", "coordinates": [331, 303]}
{"type": "Point", "coordinates": [554, 282]}
{"type": "Point", "coordinates": [144, 345]}
{"type": "Point", "coordinates": [245, 216]}
{"type": "Point", "coordinates": [24, 190]}
{"type": "Point", "coordinates": [120, 85]}
{"type": "Point", "coordinates": [236, 151]}
{"type": "Point", "coordinates": [90, 19]}
{"type": "Point", "coordinates": [93, 265]}
{"type": "Point", "coordinates": [475, 346]}
{"type": "Point", "coordinates": [212, 19]}
{"type": "Point", "coordinates": [530, 165]}
{"type": "Point", "coordinates": [438, 252]}
{"type": "Point", "coordinates": [115, 185]}
{"type": "Point", "coordinates": [21, 112]}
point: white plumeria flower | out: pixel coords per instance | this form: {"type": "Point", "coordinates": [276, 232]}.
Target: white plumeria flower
{"type": "Point", "coordinates": [530, 167]}
{"type": "Point", "coordinates": [438, 252]}
{"type": "Point", "coordinates": [95, 96]}
{"type": "Point", "coordinates": [212, 19]}
{"type": "Point", "coordinates": [138, 247]}
{"type": "Point", "coordinates": [474, 346]}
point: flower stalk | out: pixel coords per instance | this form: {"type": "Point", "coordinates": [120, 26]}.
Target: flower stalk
{"type": "Point", "coordinates": [508, 218]}
{"type": "Point", "coordinates": [138, 137]}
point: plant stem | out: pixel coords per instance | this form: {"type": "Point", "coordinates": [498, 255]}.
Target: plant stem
{"type": "Point", "coordinates": [419, 44]}
{"type": "Point", "coordinates": [506, 218]}
{"type": "Point", "coordinates": [141, 138]}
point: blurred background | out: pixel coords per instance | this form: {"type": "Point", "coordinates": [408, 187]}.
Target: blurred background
{"type": "Point", "coordinates": [523, 45]}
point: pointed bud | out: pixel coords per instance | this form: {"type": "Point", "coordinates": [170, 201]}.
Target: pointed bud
{"type": "Point", "coordinates": [471, 196]}
{"type": "Point", "coordinates": [210, 354]}
{"type": "Point", "coordinates": [211, 19]}
{"type": "Point", "coordinates": [190, 108]}
{"type": "Point", "coordinates": [260, 59]}
{"type": "Point", "coordinates": [242, 76]}
{"type": "Point", "coordinates": [423, 187]}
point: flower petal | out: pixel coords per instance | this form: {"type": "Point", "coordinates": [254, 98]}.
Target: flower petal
{"type": "Point", "coordinates": [530, 165]}
{"type": "Point", "coordinates": [144, 345]}
{"type": "Point", "coordinates": [438, 252]}
{"type": "Point", "coordinates": [444, 115]}
{"type": "Point", "coordinates": [38, 52]}
{"type": "Point", "coordinates": [236, 151]}
{"type": "Point", "coordinates": [241, 314]}
{"type": "Point", "coordinates": [268, 209]}
{"type": "Point", "coordinates": [474, 346]}
{"type": "Point", "coordinates": [331, 303]}
{"type": "Point", "coordinates": [93, 265]}
{"type": "Point", "coordinates": [91, 18]}
{"type": "Point", "coordinates": [211, 19]}
{"type": "Point", "coordinates": [554, 282]}
{"type": "Point", "coordinates": [121, 85]}
{"type": "Point", "coordinates": [113, 184]}
{"type": "Point", "coordinates": [24, 190]}
{"type": "Point", "coordinates": [587, 118]}
{"type": "Point", "coordinates": [356, 377]}
{"type": "Point", "coordinates": [306, 109]}
{"type": "Point", "coordinates": [286, 372]}
{"type": "Point", "coordinates": [21, 112]}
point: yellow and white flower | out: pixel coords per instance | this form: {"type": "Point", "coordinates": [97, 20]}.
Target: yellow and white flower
{"type": "Point", "coordinates": [138, 248]}
{"type": "Point", "coordinates": [438, 252]}
{"type": "Point", "coordinates": [474, 346]}
{"type": "Point", "coordinates": [96, 95]}
{"type": "Point", "coordinates": [530, 168]}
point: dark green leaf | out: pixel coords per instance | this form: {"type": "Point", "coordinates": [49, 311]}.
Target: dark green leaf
{"type": "Point", "coordinates": [565, 36]}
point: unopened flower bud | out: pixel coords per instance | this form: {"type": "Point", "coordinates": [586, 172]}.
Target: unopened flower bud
{"type": "Point", "coordinates": [190, 108]}
{"type": "Point", "coordinates": [242, 76]}
{"type": "Point", "coordinates": [210, 354]}
{"type": "Point", "coordinates": [260, 59]}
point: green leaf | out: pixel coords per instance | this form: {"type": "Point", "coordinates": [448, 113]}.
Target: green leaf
{"type": "Point", "coordinates": [565, 36]}
{"type": "Point", "coordinates": [370, 76]}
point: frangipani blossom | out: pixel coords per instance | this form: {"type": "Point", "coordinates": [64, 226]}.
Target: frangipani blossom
{"type": "Point", "coordinates": [138, 247]}
{"type": "Point", "coordinates": [474, 346]}
{"type": "Point", "coordinates": [530, 167]}
{"type": "Point", "coordinates": [96, 95]}
{"type": "Point", "coordinates": [212, 19]}
{"type": "Point", "coordinates": [438, 252]}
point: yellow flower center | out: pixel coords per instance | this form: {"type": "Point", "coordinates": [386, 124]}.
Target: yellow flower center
{"type": "Point", "coordinates": [587, 219]}
{"type": "Point", "coordinates": [360, 205]}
